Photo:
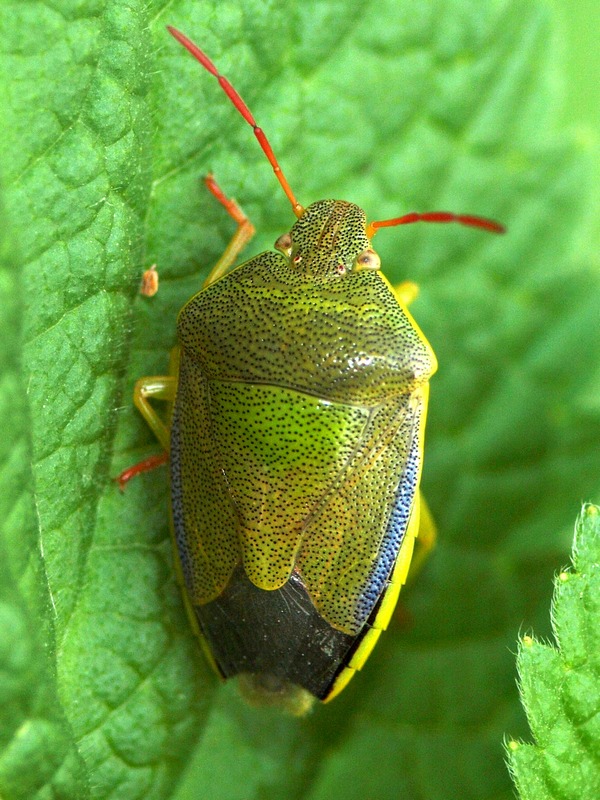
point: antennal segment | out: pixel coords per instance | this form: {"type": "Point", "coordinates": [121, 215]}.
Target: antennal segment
{"type": "Point", "coordinates": [437, 216]}
{"type": "Point", "coordinates": [244, 111]}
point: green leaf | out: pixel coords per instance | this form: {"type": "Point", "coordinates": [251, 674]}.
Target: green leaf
{"type": "Point", "coordinates": [107, 128]}
{"type": "Point", "coordinates": [560, 687]}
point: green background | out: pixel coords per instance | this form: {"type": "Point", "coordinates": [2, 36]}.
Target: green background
{"type": "Point", "coordinates": [107, 126]}
{"type": "Point", "coordinates": [580, 23]}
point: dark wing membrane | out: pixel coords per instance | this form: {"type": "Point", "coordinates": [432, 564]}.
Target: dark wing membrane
{"type": "Point", "coordinates": [278, 633]}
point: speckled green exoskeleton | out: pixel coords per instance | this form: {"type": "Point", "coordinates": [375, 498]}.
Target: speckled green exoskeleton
{"type": "Point", "coordinates": [299, 394]}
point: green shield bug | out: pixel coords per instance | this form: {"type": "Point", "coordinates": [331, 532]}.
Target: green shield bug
{"type": "Point", "coordinates": [299, 394]}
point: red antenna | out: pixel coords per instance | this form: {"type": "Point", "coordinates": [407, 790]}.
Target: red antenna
{"type": "Point", "coordinates": [244, 111]}
{"type": "Point", "coordinates": [437, 216]}
{"type": "Point", "coordinates": [372, 227]}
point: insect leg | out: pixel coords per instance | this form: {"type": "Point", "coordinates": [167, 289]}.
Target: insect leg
{"type": "Point", "coordinates": [426, 539]}
{"type": "Point", "coordinates": [241, 237]}
{"type": "Point", "coordinates": [406, 292]}
{"type": "Point", "coordinates": [146, 465]}
{"type": "Point", "coordinates": [162, 387]}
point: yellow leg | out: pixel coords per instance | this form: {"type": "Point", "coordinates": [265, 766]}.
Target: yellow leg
{"type": "Point", "coordinates": [241, 237]}
{"type": "Point", "coordinates": [425, 541]}
{"type": "Point", "coordinates": [158, 387]}
{"type": "Point", "coordinates": [406, 292]}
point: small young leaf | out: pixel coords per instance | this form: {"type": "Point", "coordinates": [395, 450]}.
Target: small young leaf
{"type": "Point", "coordinates": [560, 686]}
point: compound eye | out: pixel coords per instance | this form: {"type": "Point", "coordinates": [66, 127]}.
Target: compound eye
{"type": "Point", "coordinates": [284, 243]}
{"type": "Point", "coordinates": [368, 259]}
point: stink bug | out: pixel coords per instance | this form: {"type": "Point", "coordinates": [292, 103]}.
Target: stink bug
{"type": "Point", "coordinates": [299, 393]}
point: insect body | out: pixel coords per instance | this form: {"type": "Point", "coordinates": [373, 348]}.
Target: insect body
{"type": "Point", "coordinates": [296, 443]}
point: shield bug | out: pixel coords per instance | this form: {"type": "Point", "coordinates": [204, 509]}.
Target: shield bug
{"type": "Point", "coordinates": [299, 392]}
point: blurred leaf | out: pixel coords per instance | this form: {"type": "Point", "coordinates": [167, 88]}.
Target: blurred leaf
{"type": "Point", "coordinates": [107, 127]}
{"type": "Point", "coordinates": [560, 687]}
